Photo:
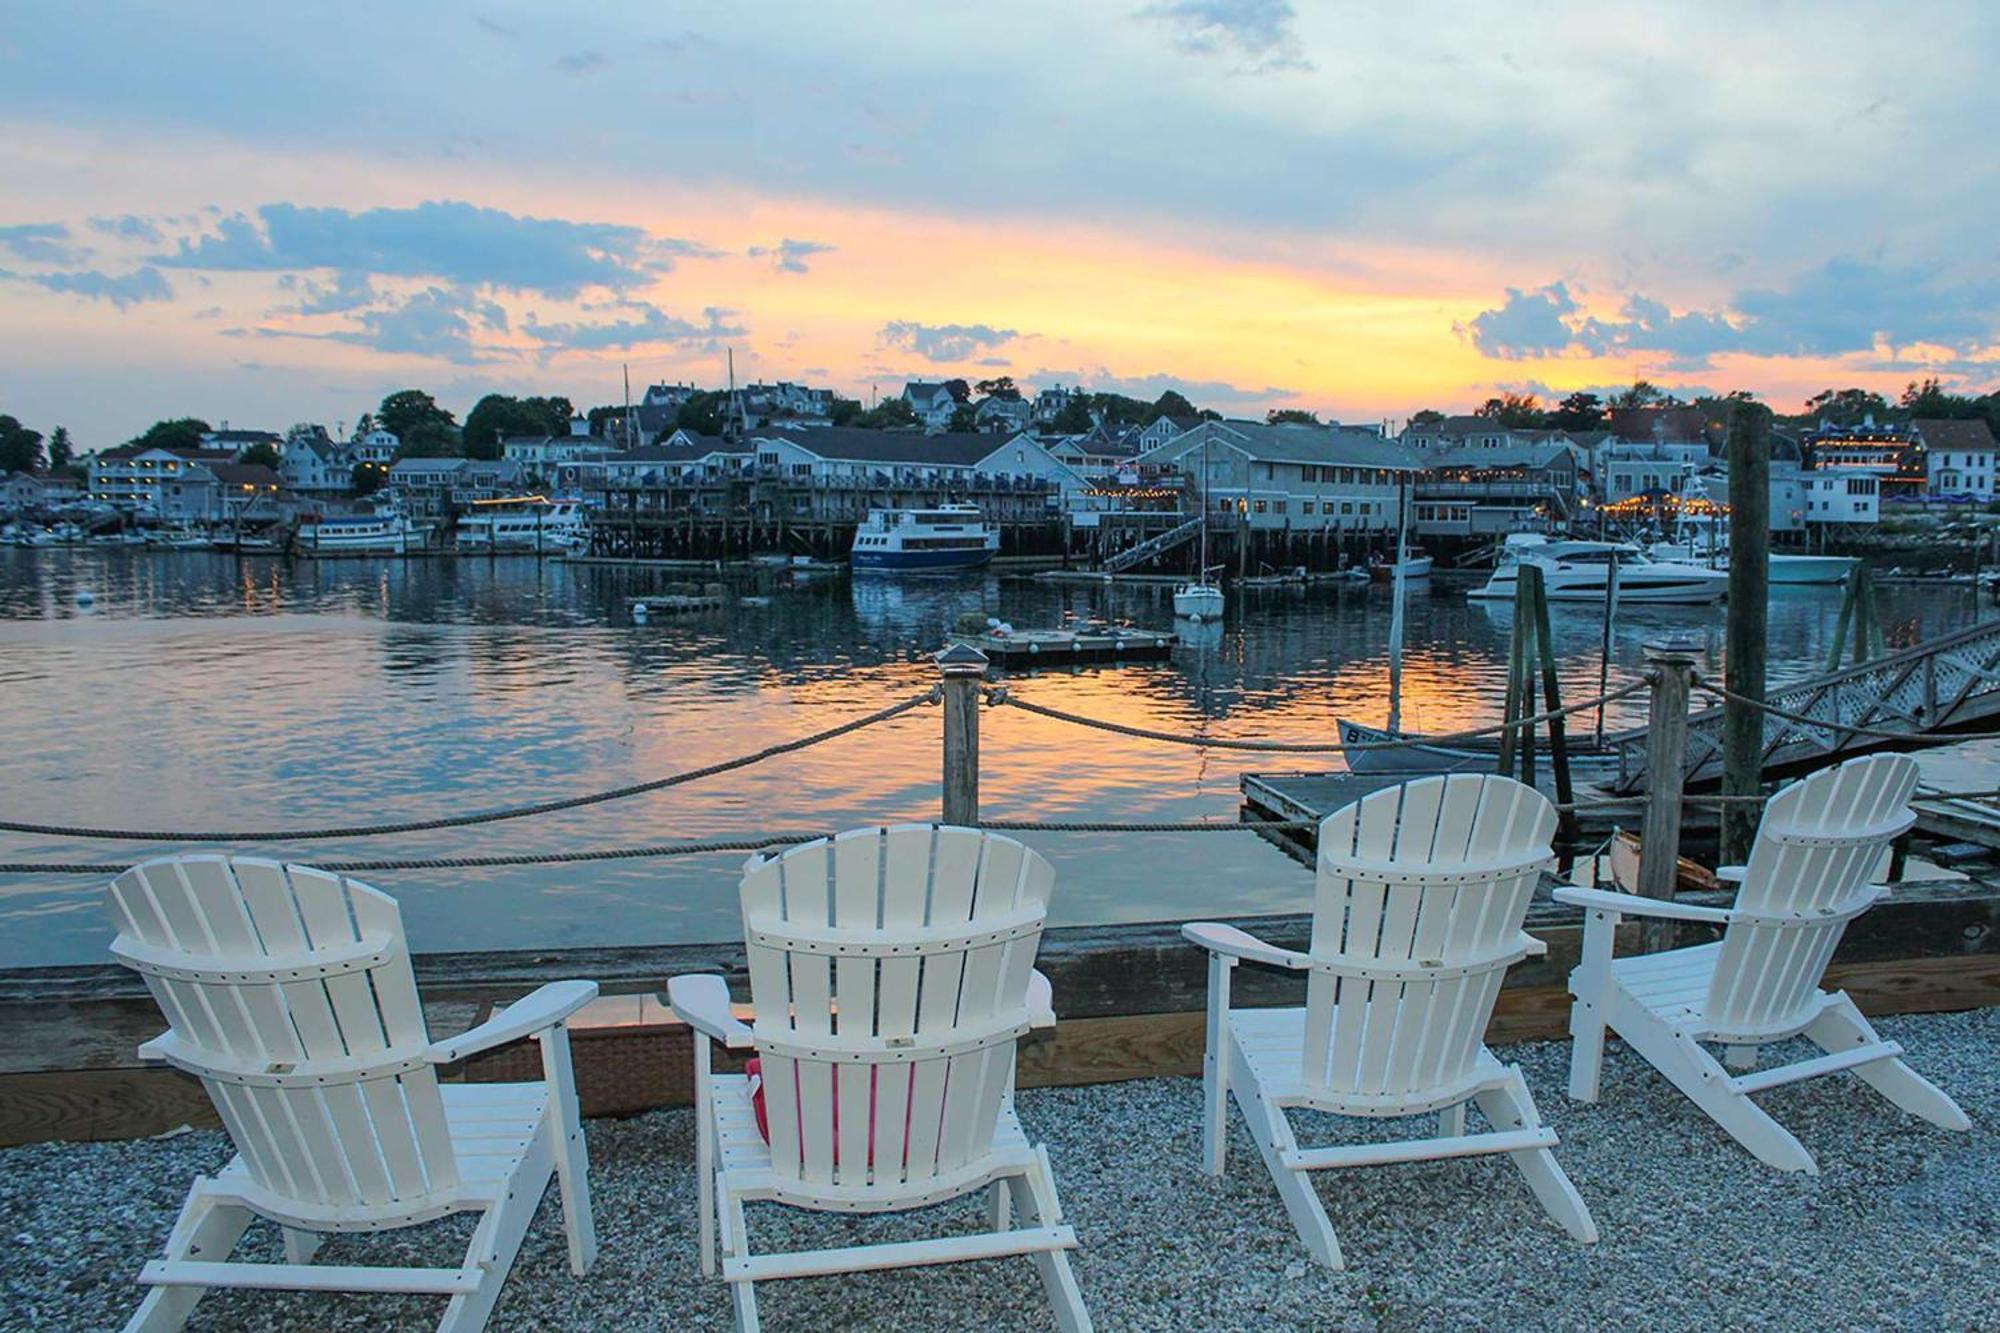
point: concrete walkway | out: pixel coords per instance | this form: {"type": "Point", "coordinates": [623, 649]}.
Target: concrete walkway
{"type": "Point", "coordinates": [1901, 1229]}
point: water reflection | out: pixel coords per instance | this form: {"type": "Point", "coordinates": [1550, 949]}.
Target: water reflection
{"type": "Point", "coordinates": [199, 690]}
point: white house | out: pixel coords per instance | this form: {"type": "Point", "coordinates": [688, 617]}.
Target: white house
{"type": "Point", "coordinates": [1843, 495]}
{"type": "Point", "coordinates": [234, 442]}
{"type": "Point", "coordinates": [1050, 402]}
{"type": "Point", "coordinates": [135, 479]}
{"type": "Point", "coordinates": [1959, 457]}
{"type": "Point", "coordinates": [30, 490]}
{"type": "Point", "coordinates": [1162, 429]}
{"type": "Point", "coordinates": [1006, 415]}
{"type": "Point", "coordinates": [933, 403]}
{"type": "Point", "coordinates": [315, 465]}
{"type": "Point", "coordinates": [1292, 476]}
{"type": "Point", "coordinates": [378, 446]}
{"type": "Point", "coordinates": [540, 454]}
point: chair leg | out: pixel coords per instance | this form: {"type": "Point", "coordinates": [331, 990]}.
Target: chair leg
{"type": "Point", "coordinates": [497, 1238]}
{"type": "Point", "coordinates": [735, 1238]}
{"type": "Point", "coordinates": [1451, 1121]}
{"type": "Point", "coordinates": [1739, 1057]}
{"type": "Point", "coordinates": [1511, 1106]}
{"type": "Point", "coordinates": [1842, 1027]}
{"type": "Point", "coordinates": [704, 1152]}
{"type": "Point", "coordinates": [572, 1155]}
{"type": "Point", "coordinates": [1215, 1068]}
{"type": "Point", "coordinates": [205, 1230]}
{"type": "Point", "coordinates": [1034, 1196]}
{"type": "Point", "coordinates": [301, 1246]}
{"type": "Point", "coordinates": [999, 1206]}
{"type": "Point", "coordinates": [1589, 984]}
{"type": "Point", "coordinates": [1273, 1136]}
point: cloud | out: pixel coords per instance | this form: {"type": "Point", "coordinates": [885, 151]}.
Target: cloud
{"type": "Point", "coordinates": [121, 290]}
{"type": "Point", "coordinates": [440, 322]}
{"type": "Point", "coordinates": [458, 243]}
{"type": "Point", "coordinates": [1202, 393]}
{"type": "Point", "coordinates": [128, 227]}
{"type": "Point", "coordinates": [582, 62]}
{"type": "Point", "coordinates": [653, 326]}
{"type": "Point", "coordinates": [348, 291]}
{"type": "Point", "coordinates": [788, 255]}
{"type": "Point", "coordinates": [944, 342]}
{"type": "Point", "coordinates": [40, 243]}
{"type": "Point", "coordinates": [1844, 306]}
{"type": "Point", "coordinates": [1258, 32]}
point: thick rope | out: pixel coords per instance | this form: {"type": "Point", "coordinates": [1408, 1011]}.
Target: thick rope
{"type": "Point", "coordinates": [1802, 719]}
{"type": "Point", "coordinates": [486, 816]}
{"type": "Point", "coordinates": [1001, 696]}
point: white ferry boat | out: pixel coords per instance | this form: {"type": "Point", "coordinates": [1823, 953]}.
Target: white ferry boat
{"type": "Point", "coordinates": [1580, 571]}
{"type": "Point", "coordinates": [522, 523]}
{"type": "Point", "coordinates": [373, 534]}
{"type": "Point", "coordinates": [948, 537]}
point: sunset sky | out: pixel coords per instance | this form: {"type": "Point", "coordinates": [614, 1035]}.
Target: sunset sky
{"type": "Point", "coordinates": [274, 213]}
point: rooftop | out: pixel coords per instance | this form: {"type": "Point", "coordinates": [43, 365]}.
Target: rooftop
{"type": "Point", "coordinates": [1897, 1231]}
{"type": "Point", "coordinates": [1972, 433]}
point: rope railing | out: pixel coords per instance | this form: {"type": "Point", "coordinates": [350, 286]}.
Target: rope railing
{"type": "Point", "coordinates": [1806, 720]}
{"type": "Point", "coordinates": [485, 816]}
{"type": "Point", "coordinates": [1001, 697]}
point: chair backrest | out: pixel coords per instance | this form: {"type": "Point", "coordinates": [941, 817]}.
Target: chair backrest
{"type": "Point", "coordinates": [889, 972]}
{"type": "Point", "coordinates": [288, 993]}
{"type": "Point", "coordinates": [1817, 850]}
{"type": "Point", "coordinates": [1421, 892]}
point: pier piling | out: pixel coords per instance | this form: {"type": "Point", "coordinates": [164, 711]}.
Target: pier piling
{"type": "Point", "coordinates": [961, 667]}
{"type": "Point", "coordinates": [1749, 606]}
{"type": "Point", "coordinates": [1672, 670]}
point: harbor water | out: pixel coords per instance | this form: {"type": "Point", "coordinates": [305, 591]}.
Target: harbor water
{"type": "Point", "coordinates": [201, 691]}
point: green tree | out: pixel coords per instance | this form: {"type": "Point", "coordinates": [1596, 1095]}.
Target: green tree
{"type": "Point", "coordinates": [498, 414]}
{"type": "Point", "coordinates": [961, 392]}
{"type": "Point", "coordinates": [1643, 393]}
{"type": "Point", "coordinates": [845, 411]}
{"type": "Point", "coordinates": [1171, 404]}
{"type": "Point", "coordinates": [407, 409]}
{"type": "Point", "coordinates": [368, 479]}
{"type": "Point", "coordinates": [964, 419]}
{"type": "Point", "coordinates": [428, 439]}
{"type": "Point", "coordinates": [1579, 411]}
{"type": "Point", "coordinates": [20, 448]}
{"type": "Point", "coordinates": [1291, 416]}
{"type": "Point", "coordinates": [179, 433]}
{"type": "Point", "coordinates": [1000, 386]}
{"type": "Point", "coordinates": [1927, 401]}
{"type": "Point", "coordinates": [1430, 416]}
{"type": "Point", "coordinates": [261, 452]}
{"type": "Point", "coordinates": [62, 454]}
{"type": "Point", "coordinates": [701, 413]}
{"type": "Point", "coordinates": [1074, 419]}
{"type": "Point", "coordinates": [1514, 410]}
{"type": "Point", "coordinates": [363, 424]}
{"type": "Point", "coordinates": [1847, 407]}
{"type": "Point", "coordinates": [889, 414]}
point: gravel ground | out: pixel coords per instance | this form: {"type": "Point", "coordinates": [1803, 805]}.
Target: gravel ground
{"type": "Point", "coordinates": [1901, 1229]}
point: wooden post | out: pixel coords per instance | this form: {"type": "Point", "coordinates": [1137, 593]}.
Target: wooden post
{"type": "Point", "coordinates": [1551, 701]}
{"type": "Point", "coordinates": [961, 668]}
{"type": "Point", "coordinates": [1672, 665]}
{"type": "Point", "coordinates": [1749, 615]}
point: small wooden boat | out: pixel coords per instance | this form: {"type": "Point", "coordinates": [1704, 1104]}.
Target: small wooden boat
{"type": "Point", "coordinates": [1476, 756]}
{"type": "Point", "coordinates": [1416, 565]}
{"type": "Point", "coordinates": [1623, 854]}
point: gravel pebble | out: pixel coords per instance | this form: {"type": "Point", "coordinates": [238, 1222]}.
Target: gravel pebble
{"type": "Point", "coordinates": [1901, 1228]}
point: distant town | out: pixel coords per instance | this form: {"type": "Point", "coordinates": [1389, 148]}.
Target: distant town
{"type": "Point", "coordinates": [791, 469]}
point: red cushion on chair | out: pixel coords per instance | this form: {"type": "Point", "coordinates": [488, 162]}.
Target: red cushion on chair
{"type": "Point", "coordinates": [754, 1069]}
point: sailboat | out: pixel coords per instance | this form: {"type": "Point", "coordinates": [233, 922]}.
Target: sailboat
{"type": "Point", "coordinates": [1201, 599]}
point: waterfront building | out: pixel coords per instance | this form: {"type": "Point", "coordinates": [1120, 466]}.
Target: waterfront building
{"type": "Point", "coordinates": [378, 447]}
{"type": "Point", "coordinates": [22, 491]}
{"type": "Point", "coordinates": [661, 405]}
{"type": "Point", "coordinates": [236, 442]}
{"type": "Point", "coordinates": [1476, 490]}
{"type": "Point", "coordinates": [1627, 470]}
{"type": "Point", "coordinates": [1008, 416]}
{"type": "Point", "coordinates": [1162, 429]}
{"type": "Point", "coordinates": [212, 492]}
{"type": "Point", "coordinates": [136, 479]}
{"type": "Point", "coordinates": [1959, 457]}
{"type": "Point", "coordinates": [1890, 457]}
{"type": "Point", "coordinates": [1297, 477]}
{"type": "Point", "coordinates": [539, 454]}
{"type": "Point", "coordinates": [421, 487]}
{"type": "Point", "coordinates": [932, 402]}
{"type": "Point", "coordinates": [1096, 452]}
{"type": "Point", "coordinates": [314, 465]}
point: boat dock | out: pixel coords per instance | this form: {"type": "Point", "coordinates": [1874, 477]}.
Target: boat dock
{"type": "Point", "coordinates": [1060, 647]}
{"type": "Point", "coordinates": [672, 604]}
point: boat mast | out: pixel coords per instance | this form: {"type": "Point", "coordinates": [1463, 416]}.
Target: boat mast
{"type": "Point", "coordinates": [1396, 608]}
{"type": "Point", "coordinates": [1201, 570]}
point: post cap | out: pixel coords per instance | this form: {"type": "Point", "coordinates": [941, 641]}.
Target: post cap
{"type": "Point", "coordinates": [960, 659]}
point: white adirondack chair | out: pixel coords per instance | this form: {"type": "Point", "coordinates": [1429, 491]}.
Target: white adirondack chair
{"type": "Point", "coordinates": [891, 972]}
{"type": "Point", "coordinates": [288, 992]}
{"type": "Point", "coordinates": [1819, 844]}
{"type": "Point", "coordinates": [1421, 893]}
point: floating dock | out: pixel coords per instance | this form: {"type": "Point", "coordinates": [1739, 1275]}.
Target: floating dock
{"type": "Point", "coordinates": [1059, 647]}
{"type": "Point", "coordinates": [672, 604]}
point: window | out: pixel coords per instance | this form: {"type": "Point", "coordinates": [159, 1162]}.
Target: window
{"type": "Point", "coordinates": [1277, 506]}
{"type": "Point", "coordinates": [1347, 506]}
{"type": "Point", "coordinates": [1306, 507]}
{"type": "Point", "coordinates": [768, 459]}
{"type": "Point", "coordinates": [1261, 506]}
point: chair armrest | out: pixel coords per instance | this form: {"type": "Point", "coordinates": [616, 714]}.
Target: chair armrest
{"type": "Point", "coordinates": [1536, 948]}
{"type": "Point", "coordinates": [1041, 1001]}
{"type": "Point", "coordinates": [538, 1011]}
{"type": "Point", "coordinates": [701, 1000]}
{"type": "Point", "coordinates": [1632, 904]}
{"type": "Point", "coordinates": [1731, 874]}
{"type": "Point", "coordinates": [1233, 943]}
{"type": "Point", "coordinates": [155, 1051]}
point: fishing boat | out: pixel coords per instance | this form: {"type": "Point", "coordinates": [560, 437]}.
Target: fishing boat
{"type": "Point", "coordinates": [522, 523]}
{"type": "Point", "coordinates": [1200, 598]}
{"type": "Point", "coordinates": [373, 534]}
{"type": "Point", "coordinates": [1588, 760]}
{"type": "Point", "coordinates": [952, 536]}
{"type": "Point", "coordinates": [1415, 565]}
{"type": "Point", "coordinates": [1582, 571]}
